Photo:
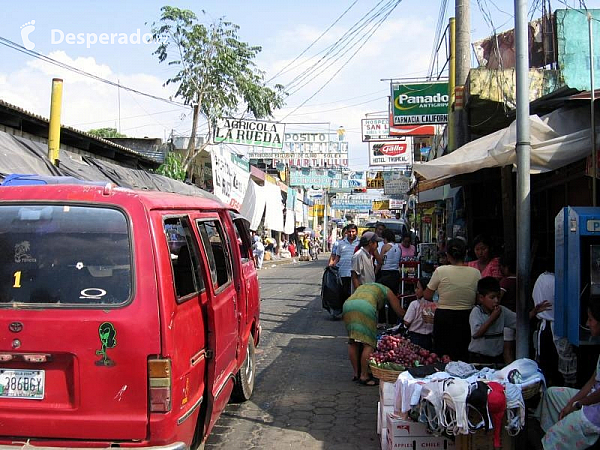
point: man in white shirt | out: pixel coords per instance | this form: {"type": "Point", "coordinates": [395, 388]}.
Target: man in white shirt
{"type": "Point", "coordinates": [343, 259]}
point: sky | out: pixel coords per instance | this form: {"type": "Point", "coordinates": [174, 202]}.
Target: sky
{"type": "Point", "coordinates": [293, 36]}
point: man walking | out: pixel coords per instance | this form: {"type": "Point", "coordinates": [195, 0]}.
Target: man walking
{"type": "Point", "coordinates": [343, 259]}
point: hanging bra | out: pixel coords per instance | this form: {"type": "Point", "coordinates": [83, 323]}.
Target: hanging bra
{"type": "Point", "coordinates": [454, 406]}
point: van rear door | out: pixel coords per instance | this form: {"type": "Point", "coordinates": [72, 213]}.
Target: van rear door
{"type": "Point", "coordinates": [77, 329]}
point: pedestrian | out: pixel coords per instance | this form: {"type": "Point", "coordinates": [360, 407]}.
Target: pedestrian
{"type": "Point", "coordinates": [554, 354]}
{"type": "Point", "coordinates": [488, 320]}
{"type": "Point", "coordinates": [456, 284]}
{"type": "Point", "coordinates": [343, 259]}
{"type": "Point", "coordinates": [360, 317]}
{"type": "Point", "coordinates": [389, 274]}
{"type": "Point", "coordinates": [487, 265]}
{"type": "Point", "coordinates": [571, 418]}
{"type": "Point", "coordinates": [305, 248]}
{"type": "Point", "coordinates": [407, 250]}
{"type": "Point", "coordinates": [258, 250]}
{"type": "Point", "coordinates": [419, 317]}
{"type": "Point", "coordinates": [332, 257]}
{"type": "Point", "coordinates": [363, 270]}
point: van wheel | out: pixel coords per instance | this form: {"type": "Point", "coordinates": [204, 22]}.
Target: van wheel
{"type": "Point", "coordinates": [244, 380]}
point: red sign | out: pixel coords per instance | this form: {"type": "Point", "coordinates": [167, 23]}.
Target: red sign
{"type": "Point", "coordinates": [412, 130]}
{"type": "Point", "coordinates": [393, 149]}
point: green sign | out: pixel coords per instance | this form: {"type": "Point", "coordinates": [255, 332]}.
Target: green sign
{"type": "Point", "coordinates": [421, 103]}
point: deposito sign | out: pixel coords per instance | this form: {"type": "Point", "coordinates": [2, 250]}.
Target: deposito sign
{"type": "Point", "coordinates": [419, 103]}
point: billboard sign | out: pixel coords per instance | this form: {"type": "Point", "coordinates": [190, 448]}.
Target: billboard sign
{"type": "Point", "coordinates": [323, 150]}
{"type": "Point", "coordinates": [375, 130]}
{"type": "Point", "coordinates": [419, 103]}
{"type": "Point", "coordinates": [249, 132]}
{"type": "Point", "coordinates": [394, 153]}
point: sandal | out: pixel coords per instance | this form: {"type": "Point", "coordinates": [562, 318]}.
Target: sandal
{"type": "Point", "coordinates": [369, 382]}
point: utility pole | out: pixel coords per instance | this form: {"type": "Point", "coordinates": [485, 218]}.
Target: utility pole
{"type": "Point", "coordinates": [523, 149]}
{"type": "Point", "coordinates": [463, 65]}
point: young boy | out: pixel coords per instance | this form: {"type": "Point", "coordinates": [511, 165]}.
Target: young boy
{"type": "Point", "coordinates": [488, 320]}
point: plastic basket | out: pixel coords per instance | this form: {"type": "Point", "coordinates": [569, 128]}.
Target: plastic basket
{"type": "Point", "coordinates": [530, 391]}
{"type": "Point", "coordinates": [385, 374]}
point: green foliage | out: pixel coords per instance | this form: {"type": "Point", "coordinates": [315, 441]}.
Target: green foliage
{"type": "Point", "coordinates": [106, 133]}
{"type": "Point", "coordinates": [172, 167]}
{"type": "Point", "coordinates": [216, 71]}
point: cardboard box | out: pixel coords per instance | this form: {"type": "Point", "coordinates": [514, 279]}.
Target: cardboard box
{"type": "Point", "coordinates": [384, 411]}
{"type": "Point", "coordinates": [384, 439]}
{"type": "Point", "coordinates": [387, 393]}
{"type": "Point", "coordinates": [406, 434]}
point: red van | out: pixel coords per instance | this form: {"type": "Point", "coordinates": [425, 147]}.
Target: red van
{"type": "Point", "coordinates": [128, 318]}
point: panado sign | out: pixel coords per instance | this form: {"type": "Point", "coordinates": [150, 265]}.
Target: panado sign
{"type": "Point", "coordinates": [419, 103]}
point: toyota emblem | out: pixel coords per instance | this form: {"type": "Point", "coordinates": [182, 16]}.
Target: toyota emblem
{"type": "Point", "coordinates": [15, 327]}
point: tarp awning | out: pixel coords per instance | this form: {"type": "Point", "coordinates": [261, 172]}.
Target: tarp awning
{"type": "Point", "coordinates": [557, 139]}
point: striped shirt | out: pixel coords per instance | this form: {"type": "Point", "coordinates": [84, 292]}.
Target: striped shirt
{"type": "Point", "coordinates": [345, 250]}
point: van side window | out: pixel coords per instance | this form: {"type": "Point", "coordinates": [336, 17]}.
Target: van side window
{"type": "Point", "coordinates": [242, 237]}
{"type": "Point", "coordinates": [184, 257]}
{"type": "Point", "coordinates": [217, 251]}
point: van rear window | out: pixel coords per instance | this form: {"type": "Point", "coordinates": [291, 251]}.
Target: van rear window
{"type": "Point", "coordinates": [64, 255]}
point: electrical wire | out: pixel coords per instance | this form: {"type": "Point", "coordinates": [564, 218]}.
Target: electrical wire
{"type": "Point", "coordinates": [10, 44]}
{"type": "Point", "coordinates": [282, 71]}
{"type": "Point", "coordinates": [397, 2]}
{"type": "Point", "coordinates": [341, 43]}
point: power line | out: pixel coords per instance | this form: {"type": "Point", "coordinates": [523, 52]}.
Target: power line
{"type": "Point", "coordinates": [313, 43]}
{"type": "Point", "coordinates": [374, 28]}
{"type": "Point", "coordinates": [10, 44]}
{"type": "Point", "coordinates": [335, 49]}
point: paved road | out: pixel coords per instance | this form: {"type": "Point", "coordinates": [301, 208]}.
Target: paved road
{"type": "Point", "coordinates": [304, 397]}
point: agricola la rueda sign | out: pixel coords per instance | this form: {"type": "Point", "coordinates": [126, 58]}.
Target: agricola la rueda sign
{"type": "Point", "coordinates": [250, 132]}
{"type": "Point", "coordinates": [422, 103]}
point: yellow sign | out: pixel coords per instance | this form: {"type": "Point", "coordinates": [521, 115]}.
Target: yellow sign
{"type": "Point", "coordinates": [375, 183]}
{"type": "Point", "coordinates": [380, 205]}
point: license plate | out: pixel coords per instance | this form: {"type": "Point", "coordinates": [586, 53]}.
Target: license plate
{"type": "Point", "coordinates": [27, 384]}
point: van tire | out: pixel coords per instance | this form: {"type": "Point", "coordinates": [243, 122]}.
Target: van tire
{"type": "Point", "coordinates": [244, 380]}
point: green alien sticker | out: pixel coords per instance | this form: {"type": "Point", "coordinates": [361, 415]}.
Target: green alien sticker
{"type": "Point", "coordinates": [107, 334]}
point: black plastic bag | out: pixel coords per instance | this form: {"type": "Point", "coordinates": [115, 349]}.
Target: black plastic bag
{"type": "Point", "coordinates": [331, 288]}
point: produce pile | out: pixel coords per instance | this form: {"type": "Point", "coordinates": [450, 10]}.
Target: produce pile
{"type": "Point", "coordinates": [398, 353]}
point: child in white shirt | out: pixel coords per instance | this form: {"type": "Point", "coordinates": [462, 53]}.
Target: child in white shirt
{"type": "Point", "coordinates": [419, 317]}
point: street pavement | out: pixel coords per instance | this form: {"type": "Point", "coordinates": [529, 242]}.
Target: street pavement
{"type": "Point", "coordinates": [304, 396]}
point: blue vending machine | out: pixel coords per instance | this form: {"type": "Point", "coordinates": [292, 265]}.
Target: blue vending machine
{"type": "Point", "coordinates": [577, 271]}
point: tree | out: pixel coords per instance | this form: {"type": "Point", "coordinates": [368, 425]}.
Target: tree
{"type": "Point", "coordinates": [172, 167]}
{"type": "Point", "coordinates": [217, 75]}
{"type": "Point", "coordinates": [106, 133]}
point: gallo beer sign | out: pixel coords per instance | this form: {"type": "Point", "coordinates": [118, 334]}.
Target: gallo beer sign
{"type": "Point", "coordinates": [395, 153]}
{"type": "Point", "coordinates": [423, 103]}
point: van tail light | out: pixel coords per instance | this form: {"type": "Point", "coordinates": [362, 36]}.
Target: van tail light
{"type": "Point", "coordinates": [159, 382]}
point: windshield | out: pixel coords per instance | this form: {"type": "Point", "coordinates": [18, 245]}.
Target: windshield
{"type": "Point", "coordinates": [64, 254]}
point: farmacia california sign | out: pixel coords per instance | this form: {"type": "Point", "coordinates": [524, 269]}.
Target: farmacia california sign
{"type": "Point", "coordinates": [422, 103]}
{"type": "Point", "coordinates": [250, 132]}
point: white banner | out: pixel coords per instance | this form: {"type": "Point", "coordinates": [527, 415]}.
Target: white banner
{"type": "Point", "coordinates": [230, 176]}
{"type": "Point", "coordinates": [253, 205]}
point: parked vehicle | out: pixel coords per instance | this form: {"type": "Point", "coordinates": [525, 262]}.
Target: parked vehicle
{"type": "Point", "coordinates": [128, 317]}
{"type": "Point", "coordinates": [398, 226]}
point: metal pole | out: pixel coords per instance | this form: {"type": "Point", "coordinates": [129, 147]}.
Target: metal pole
{"type": "Point", "coordinates": [325, 224]}
{"type": "Point", "coordinates": [463, 63]}
{"type": "Point", "coordinates": [592, 115]}
{"type": "Point", "coordinates": [523, 149]}
{"type": "Point", "coordinates": [451, 84]}
{"type": "Point", "coordinates": [54, 124]}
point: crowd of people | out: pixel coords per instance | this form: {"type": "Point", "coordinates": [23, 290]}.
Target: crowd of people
{"type": "Point", "coordinates": [473, 318]}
